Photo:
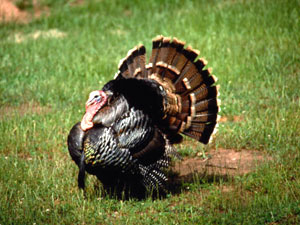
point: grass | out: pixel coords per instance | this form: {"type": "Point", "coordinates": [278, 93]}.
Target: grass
{"type": "Point", "coordinates": [253, 47]}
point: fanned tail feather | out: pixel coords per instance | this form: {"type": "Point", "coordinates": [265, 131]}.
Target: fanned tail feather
{"type": "Point", "coordinates": [133, 65]}
{"type": "Point", "coordinates": [191, 105]}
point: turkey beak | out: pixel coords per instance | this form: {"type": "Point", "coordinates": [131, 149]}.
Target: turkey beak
{"type": "Point", "coordinates": [94, 97]}
{"type": "Point", "coordinates": [93, 101]}
{"type": "Point", "coordinates": [89, 102]}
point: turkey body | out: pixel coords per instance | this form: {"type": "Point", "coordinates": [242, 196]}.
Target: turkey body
{"type": "Point", "coordinates": [126, 148]}
{"type": "Point", "coordinates": [136, 118]}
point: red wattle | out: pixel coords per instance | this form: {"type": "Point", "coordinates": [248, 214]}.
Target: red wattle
{"type": "Point", "coordinates": [87, 120]}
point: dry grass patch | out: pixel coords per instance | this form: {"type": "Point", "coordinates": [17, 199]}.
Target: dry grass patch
{"type": "Point", "coordinates": [22, 110]}
{"type": "Point", "coordinates": [52, 33]}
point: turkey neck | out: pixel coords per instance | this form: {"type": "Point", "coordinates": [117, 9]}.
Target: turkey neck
{"type": "Point", "coordinates": [111, 112]}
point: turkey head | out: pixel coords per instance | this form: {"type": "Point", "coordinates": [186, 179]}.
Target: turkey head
{"type": "Point", "coordinates": [97, 99]}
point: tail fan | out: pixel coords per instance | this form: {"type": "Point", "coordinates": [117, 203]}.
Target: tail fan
{"type": "Point", "coordinates": [191, 105]}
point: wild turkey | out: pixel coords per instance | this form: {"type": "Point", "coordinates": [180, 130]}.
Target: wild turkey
{"type": "Point", "coordinates": [127, 134]}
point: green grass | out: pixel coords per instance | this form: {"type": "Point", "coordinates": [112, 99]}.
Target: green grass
{"type": "Point", "coordinates": [253, 47]}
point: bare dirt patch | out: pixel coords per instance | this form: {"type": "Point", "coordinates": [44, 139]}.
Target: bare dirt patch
{"type": "Point", "coordinates": [235, 118]}
{"type": "Point", "coordinates": [77, 2]}
{"type": "Point", "coordinates": [221, 162]}
{"type": "Point", "coordinates": [9, 12]}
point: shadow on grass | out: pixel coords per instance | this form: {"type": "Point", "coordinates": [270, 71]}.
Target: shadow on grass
{"type": "Point", "coordinates": [175, 185]}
